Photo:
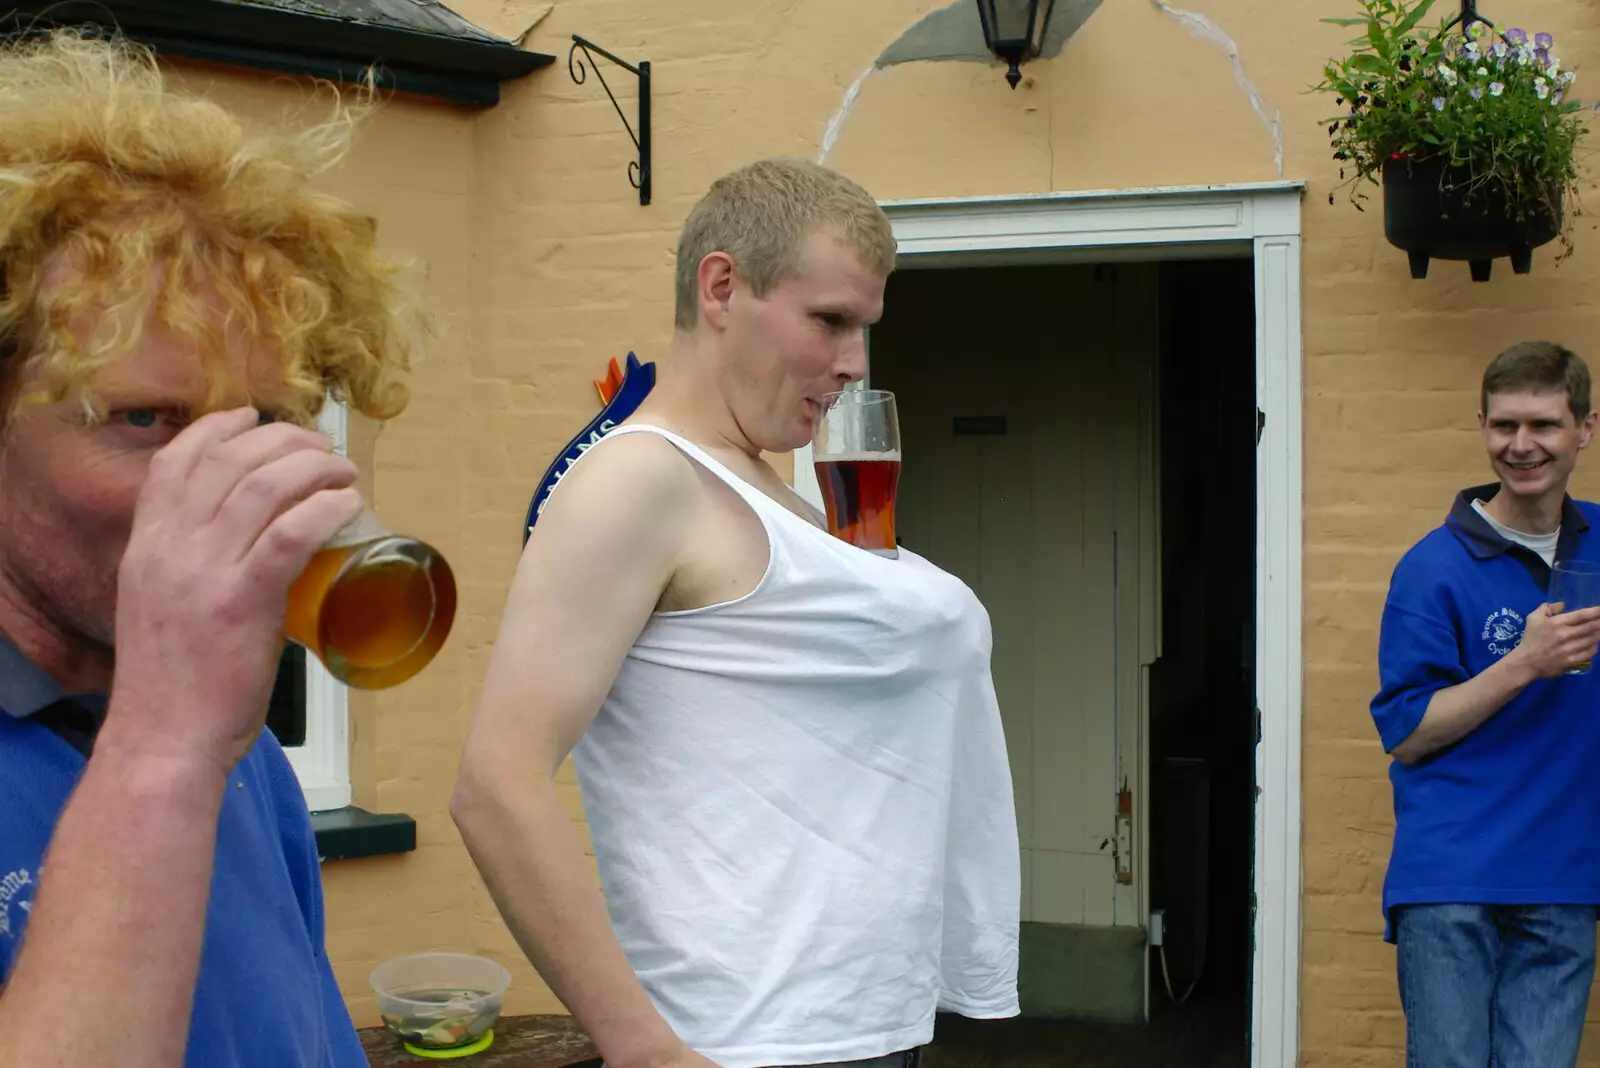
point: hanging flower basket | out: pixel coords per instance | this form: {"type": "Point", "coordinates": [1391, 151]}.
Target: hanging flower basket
{"type": "Point", "coordinates": [1434, 211]}
{"type": "Point", "coordinates": [1473, 134]}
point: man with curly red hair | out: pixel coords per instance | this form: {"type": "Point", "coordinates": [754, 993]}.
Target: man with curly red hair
{"type": "Point", "coordinates": [176, 302]}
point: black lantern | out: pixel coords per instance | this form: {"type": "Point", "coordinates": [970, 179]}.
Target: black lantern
{"type": "Point", "coordinates": [1014, 30]}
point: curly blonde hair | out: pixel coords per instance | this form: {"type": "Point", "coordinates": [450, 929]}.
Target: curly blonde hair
{"type": "Point", "coordinates": [106, 168]}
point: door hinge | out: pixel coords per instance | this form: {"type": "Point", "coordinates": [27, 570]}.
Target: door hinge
{"type": "Point", "coordinates": [1258, 726]}
{"type": "Point", "coordinates": [1261, 424]}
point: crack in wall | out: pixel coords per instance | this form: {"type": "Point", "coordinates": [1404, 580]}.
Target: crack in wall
{"type": "Point", "coordinates": [836, 123]}
{"type": "Point", "coordinates": [954, 32]}
{"type": "Point", "coordinates": [1202, 27]}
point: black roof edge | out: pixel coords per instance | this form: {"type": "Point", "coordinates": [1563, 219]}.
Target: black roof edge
{"type": "Point", "coordinates": [270, 38]}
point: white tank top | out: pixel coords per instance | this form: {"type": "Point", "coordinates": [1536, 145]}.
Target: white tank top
{"type": "Point", "coordinates": [801, 805]}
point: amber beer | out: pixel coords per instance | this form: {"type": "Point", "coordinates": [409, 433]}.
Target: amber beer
{"type": "Point", "coordinates": [858, 493]}
{"type": "Point", "coordinates": [373, 606]}
{"type": "Point", "coordinates": [855, 448]}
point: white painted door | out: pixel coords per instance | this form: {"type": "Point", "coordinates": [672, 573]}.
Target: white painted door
{"type": "Point", "coordinates": [1026, 404]}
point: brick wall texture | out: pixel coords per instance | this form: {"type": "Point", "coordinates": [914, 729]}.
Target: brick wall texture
{"type": "Point", "coordinates": [544, 266]}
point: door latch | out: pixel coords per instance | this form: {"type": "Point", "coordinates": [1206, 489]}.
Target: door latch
{"type": "Point", "coordinates": [1124, 850]}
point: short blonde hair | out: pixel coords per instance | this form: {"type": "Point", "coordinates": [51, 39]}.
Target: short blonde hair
{"type": "Point", "coordinates": [762, 214]}
{"type": "Point", "coordinates": [127, 179]}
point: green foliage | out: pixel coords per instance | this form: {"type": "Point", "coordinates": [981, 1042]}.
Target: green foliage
{"type": "Point", "coordinates": [1497, 108]}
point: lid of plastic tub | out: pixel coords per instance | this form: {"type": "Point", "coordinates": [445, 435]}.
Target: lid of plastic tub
{"type": "Point", "coordinates": [455, 1051]}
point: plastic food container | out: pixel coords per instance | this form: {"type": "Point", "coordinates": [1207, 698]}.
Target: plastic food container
{"type": "Point", "coordinates": [441, 1001]}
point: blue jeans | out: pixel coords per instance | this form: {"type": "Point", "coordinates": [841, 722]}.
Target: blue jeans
{"type": "Point", "coordinates": [1494, 986]}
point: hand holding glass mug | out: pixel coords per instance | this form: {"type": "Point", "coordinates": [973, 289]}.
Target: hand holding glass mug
{"type": "Point", "coordinates": [373, 606]}
{"type": "Point", "coordinates": [227, 512]}
{"type": "Point", "coordinates": [1575, 587]}
{"type": "Point", "coordinates": [856, 452]}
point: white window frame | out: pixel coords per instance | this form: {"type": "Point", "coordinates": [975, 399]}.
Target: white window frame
{"type": "Point", "coordinates": [1164, 223]}
{"type": "Point", "coordinates": [322, 764]}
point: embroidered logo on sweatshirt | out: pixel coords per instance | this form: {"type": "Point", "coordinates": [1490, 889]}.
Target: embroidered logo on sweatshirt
{"type": "Point", "coordinates": [16, 899]}
{"type": "Point", "coordinates": [1502, 631]}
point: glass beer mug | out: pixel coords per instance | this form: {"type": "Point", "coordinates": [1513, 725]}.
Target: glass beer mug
{"type": "Point", "coordinates": [1576, 584]}
{"type": "Point", "coordinates": [373, 606]}
{"type": "Point", "coordinates": [856, 451]}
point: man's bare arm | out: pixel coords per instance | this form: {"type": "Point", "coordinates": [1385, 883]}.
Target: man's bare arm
{"type": "Point", "coordinates": [590, 577]}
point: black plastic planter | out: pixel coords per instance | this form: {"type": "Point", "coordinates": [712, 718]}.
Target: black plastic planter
{"type": "Point", "coordinates": [1428, 213]}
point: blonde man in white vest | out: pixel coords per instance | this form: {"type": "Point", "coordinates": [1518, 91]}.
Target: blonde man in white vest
{"type": "Point", "coordinates": [790, 754]}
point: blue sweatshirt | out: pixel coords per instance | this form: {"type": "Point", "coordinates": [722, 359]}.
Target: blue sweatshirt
{"type": "Point", "coordinates": [266, 996]}
{"type": "Point", "coordinates": [1510, 814]}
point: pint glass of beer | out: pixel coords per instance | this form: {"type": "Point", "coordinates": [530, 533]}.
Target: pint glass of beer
{"type": "Point", "coordinates": [856, 449]}
{"type": "Point", "coordinates": [1575, 584]}
{"type": "Point", "coordinates": [373, 606]}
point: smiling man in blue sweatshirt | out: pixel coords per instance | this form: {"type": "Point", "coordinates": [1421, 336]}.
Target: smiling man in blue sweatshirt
{"type": "Point", "coordinates": [1495, 872]}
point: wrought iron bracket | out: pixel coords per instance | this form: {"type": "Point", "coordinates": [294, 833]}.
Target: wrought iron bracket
{"type": "Point", "coordinates": [638, 170]}
{"type": "Point", "coordinates": [1469, 15]}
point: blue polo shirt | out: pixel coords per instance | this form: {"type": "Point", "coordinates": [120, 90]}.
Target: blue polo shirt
{"type": "Point", "coordinates": [265, 997]}
{"type": "Point", "coordinates": [1510, 814]}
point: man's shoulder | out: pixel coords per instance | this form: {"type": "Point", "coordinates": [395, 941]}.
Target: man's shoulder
{"type": "Point", "coordinates": [1590, 510]}
{"type": "Point", "coordinates": [1434, 557]}
{"type": "Point", "coordinates": [633, 497]}
{"type": "Point", "coordinates": [637, 452]}
{"type": "Point", "coordinates": [38, 770]}
{"type": "Point", "coordinates": [267, 754]}
{"type": "Point", "coordinates": [625, 473]}
{"type": "Point", "coordinates": [1434, 578]}
{"type": "Point", "coordinates": [269, 764]}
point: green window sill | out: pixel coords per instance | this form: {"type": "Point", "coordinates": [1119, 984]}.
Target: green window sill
{"type": "Point", "coordinates": [350, 833]}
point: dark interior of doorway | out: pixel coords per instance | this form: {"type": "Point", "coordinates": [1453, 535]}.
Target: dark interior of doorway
{"type": "Point", "coordinates": [1202, 722]}
{"type": "Point", "coordinates": [1202, 704]}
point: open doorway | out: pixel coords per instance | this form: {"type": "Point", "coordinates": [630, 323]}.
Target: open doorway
{"type": "Point", "coordinates": [1085, 462]}
{"type": "Point", "coordinates": [1202, 694]}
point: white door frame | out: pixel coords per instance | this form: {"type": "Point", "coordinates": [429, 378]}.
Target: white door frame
{"type": "Point", "coordinates": [1261, 220]}
{"type": "Point", "coordinates": [322, 762]}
